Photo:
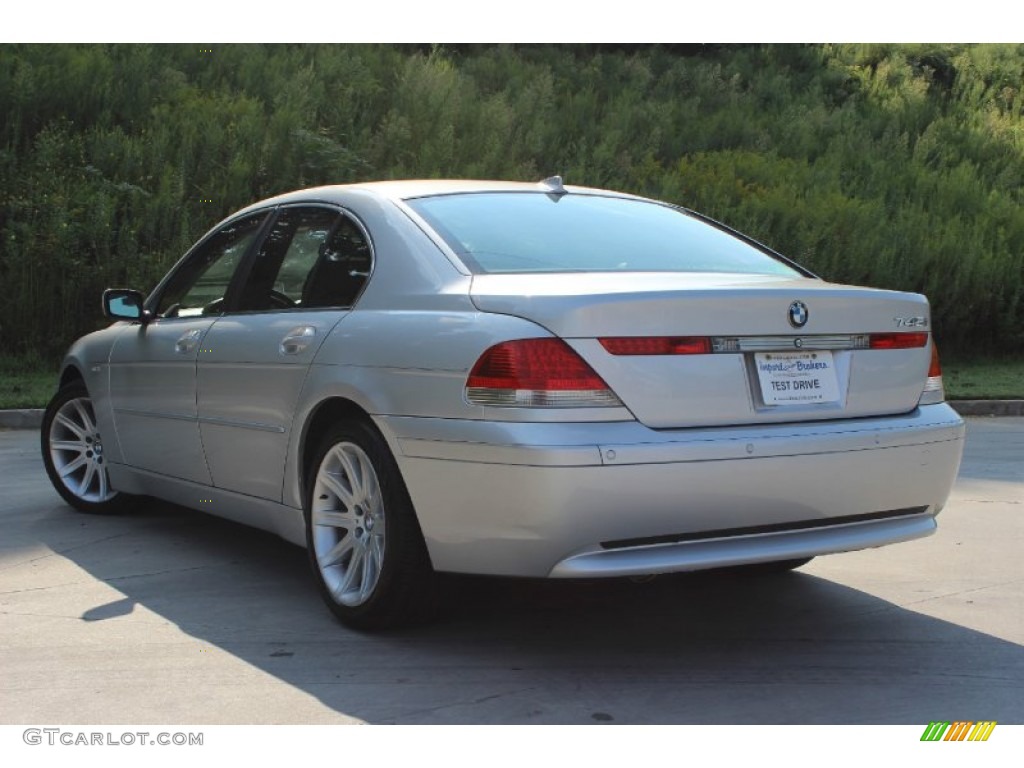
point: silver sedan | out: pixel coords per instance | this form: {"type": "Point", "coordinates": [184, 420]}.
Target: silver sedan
{"type": "Point", "coordinates": [510, 379]}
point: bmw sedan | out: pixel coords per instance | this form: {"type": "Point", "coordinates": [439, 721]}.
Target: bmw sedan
{"type": "Point", "coordinates": [512, 379]}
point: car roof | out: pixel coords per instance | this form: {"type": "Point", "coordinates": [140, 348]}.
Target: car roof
{"type": "Point", "coordinates": [407, 189]}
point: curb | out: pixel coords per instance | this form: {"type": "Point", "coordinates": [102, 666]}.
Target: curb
{"type": "Point", "coordinates": [21, 418]}
{"type": "Point", "coordinates": [988, 407]}
{"type": "Point", "coordinates": [32, 418]}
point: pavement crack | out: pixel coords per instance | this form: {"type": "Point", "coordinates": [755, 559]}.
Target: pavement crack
{"type": "Point", "coordinates": [109, 579]}
{"type": "Point", "coordinates": [40, 615]}
{"type": "Point", "coordinates": [992, 501]}
{"type": "Point", "coordinates": [159, 573]}
{"type": "Point", "coordinates": [63, 551]}
{"type": "Point", "coordinates": [40, 589]}
{"type": "Point", "coordinates": [958, 592]}
{"type": "Point", "coordinates": [465, 702]}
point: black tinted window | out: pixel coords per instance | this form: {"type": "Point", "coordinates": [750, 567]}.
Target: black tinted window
{"type": "Point", "coordinates": [343, 267]}
{"type": "Point", "coordinates": [538, 232]}
{"type": "Point", "coordinates": [199, 285]}
{"type": "Point", "coordinates": [312, 257]}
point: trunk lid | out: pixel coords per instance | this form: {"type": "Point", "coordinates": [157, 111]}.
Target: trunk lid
{"type": "Point", "coordinates": [747, 317]}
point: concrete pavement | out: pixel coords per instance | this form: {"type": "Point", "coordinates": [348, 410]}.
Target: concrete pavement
{"type": "Point", "coordinates": [169, 616]}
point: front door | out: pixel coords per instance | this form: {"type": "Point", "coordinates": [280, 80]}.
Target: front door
{"type": "Point", "coordinates": [153, 365]}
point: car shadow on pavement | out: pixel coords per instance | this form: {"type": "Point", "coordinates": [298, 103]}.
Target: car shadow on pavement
{"type": "Point", "coordinates": [690, 648]}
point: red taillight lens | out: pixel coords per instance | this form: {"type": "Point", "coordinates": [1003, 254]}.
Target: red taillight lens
{"type": "Point", "coordinates": [657, 345]}
{"type": "Point", "coordinates": [898, 340]}
{"type": "Point", "coordinates": [536, 373]}
{"type": "Point", "coordinates": [935, 369]}
{"type": "Point", "coordinates": [533, 364]}
{"type": "Point", "coordinates": [933, 391]}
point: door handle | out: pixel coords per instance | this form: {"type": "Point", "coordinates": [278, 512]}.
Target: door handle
{"type": "Point", "coordinates": [187, 341]}
{"type": "Point", "coordinates": [297, 339]}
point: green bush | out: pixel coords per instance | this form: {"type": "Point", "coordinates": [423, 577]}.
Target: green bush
{"type": "Point", "coordinates": [896, 166]}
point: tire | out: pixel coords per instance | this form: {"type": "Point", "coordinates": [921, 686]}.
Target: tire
{"type": "Point", "coordinates": [73, 453]}
{"type": "Point", "coordinates": [365, 547]}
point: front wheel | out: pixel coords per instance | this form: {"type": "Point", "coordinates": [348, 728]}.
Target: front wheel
{"type": "Point", "coordinates": [365, 546]}
{"type": "Point", "coordinates": [72, 450]}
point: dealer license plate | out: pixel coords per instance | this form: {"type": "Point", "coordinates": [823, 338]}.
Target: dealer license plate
{"type": "Point", "coordinates": [795, 378]}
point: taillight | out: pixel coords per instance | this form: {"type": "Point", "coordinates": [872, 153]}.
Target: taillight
{"type": "Point", "coordinates": [897, 340]}
{"type": "Point", "coordinates": [536, 373]}
{"type": "Point", "coordinates": [657, 345]}
{"type": "Point", "coordinates": [934, 391]}
{"type": "Point", "coordinates": [935, 369]}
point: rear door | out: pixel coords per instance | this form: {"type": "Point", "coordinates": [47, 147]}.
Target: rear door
{"type": "Point", "coordinates": [305, 276]}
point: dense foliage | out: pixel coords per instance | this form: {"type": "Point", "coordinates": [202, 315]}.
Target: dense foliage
{"type": "Point", "coordinates": [895, 166]}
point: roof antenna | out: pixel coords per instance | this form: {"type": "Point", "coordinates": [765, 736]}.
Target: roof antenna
{"type": "Point", "coordinates": [553, 186]}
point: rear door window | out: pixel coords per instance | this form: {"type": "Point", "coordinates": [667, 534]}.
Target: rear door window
{"type": "Point", "coordinates": [313, 257]}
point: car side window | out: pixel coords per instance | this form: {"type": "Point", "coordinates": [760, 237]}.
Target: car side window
{"type": "Point", "coordinates": [312, 258]}
{"type": "Point", "coordinates": [199, 286]}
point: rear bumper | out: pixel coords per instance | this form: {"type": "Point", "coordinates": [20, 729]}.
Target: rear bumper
{"type": "Point", "coordinates": [744, 548]}
{"type": "Point", "coordinates": [613, 499]}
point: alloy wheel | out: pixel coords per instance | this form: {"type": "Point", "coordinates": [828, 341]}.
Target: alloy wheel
{"type": "Point", "coordinates": [76, 450]}
{"type": "Point", "coordinates": [348, 525]}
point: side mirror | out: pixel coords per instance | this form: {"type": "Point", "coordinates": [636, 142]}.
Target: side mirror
{"type": "Point", "coordinates": [125, 304]}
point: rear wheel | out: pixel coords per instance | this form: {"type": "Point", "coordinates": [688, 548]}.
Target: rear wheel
{"type": "Point", "coordinates": [72, 450]}
{"type": "Point", "coordinates": [365, 546]}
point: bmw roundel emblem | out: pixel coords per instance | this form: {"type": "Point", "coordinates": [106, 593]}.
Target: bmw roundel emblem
{"type": "Point", "coordinates": [798, 314]}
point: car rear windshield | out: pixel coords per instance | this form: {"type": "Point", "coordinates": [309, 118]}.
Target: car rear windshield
{"type": "Point", "coordinates": [501, 232]}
